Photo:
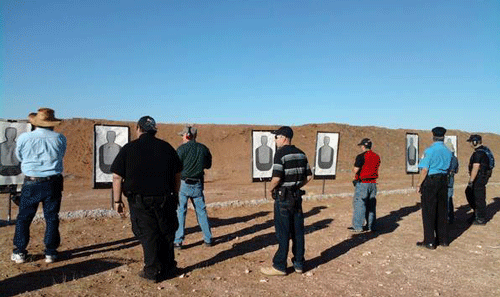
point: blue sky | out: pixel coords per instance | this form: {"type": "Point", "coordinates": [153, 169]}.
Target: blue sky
{"type": "Point", "coordinates": [396, 64]}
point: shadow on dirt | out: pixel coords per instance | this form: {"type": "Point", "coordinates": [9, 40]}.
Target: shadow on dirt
{"type": "Point", "coordinates": [216, 222]}
{"type": "Point", "coordinates": [99, 248]}
{"type": "Point", "coordinates": [258, 242]}
{"type": "Point", "coordinates": [4, 223]}
{"type": "Point", "coordinates": [463, 220]}
{"type": "Point", "coordinates": [37, 280]}
{"type": "Point", "coordinates": [252, 229]}
{"type": "Point", "coordinates": [385, 224]}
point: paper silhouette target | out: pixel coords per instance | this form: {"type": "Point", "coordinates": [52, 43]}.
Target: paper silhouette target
{"type": "Point", "coordinates": [411, 153]}
{"type": "Point", "coordinates": [327, 144]}
{"type": "Point", "coordinates": [108, 140]}
{"type": "Point", "coordinates": [10, 166]}
{"type": "Point", "coordinates": [263, 149]}
{"type": "Point", "coordinates": [450, 141]}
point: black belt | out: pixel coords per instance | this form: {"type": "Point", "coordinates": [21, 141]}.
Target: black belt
{"type": "Point", "coordinates": [192, 181]}
{"type": "Point", "coordinates": [41, 179]}
{"type": "Point", "coordinates": [437, 175]}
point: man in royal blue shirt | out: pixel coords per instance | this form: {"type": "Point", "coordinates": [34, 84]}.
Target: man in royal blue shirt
{"type": "Point", "coordinates": [433, 186]}
{"type": "Point", "coordinates": [41, 154]}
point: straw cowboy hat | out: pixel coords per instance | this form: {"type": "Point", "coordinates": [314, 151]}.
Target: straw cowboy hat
{"type": "Point", "coordinates": [44, 118]}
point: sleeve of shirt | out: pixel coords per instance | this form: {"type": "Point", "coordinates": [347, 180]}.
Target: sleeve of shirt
{"type": "Point", "coordinates": [424, 162]}
{"type": "Point", "coordinates": [360, 161]}
{"type": "Point", "coordinates": [19, 145]}
{"type": "Point", "coordinates": [478, 157]}
{"type": "Point", "coordinates": [63, 140]}
{"type": "Point", "coordinates": [118, 165]}
{"type": "Point", "coordinates": [180, 152]}
{"type": "Point", "coordinates": [208, 159]}
{"type": "Point", "coordinates": [308, 169]}
{"type": "Point", "coordinates": [278, 170]}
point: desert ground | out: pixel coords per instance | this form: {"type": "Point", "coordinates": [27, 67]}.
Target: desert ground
{"type": "Point", "coordinates": [100, 257]}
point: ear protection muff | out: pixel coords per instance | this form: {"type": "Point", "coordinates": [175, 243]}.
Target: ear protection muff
{"type": "Point", "coordinates": [189, 134]}
{"type": "Point", "coordinates": [475, 142]}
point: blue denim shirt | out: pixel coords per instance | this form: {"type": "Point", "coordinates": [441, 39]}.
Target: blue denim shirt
{"type": "Point", "coordinates": [437, 159]}
{"type": "Point", "coordinates": [41, 152]}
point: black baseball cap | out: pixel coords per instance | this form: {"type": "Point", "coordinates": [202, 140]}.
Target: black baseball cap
{"type": "Point", "coordinates": [366, 142]}
{"type": "Point", "coordinates": [438, 132]}
{"type": "Point", "coordinates": [475, 137]}
{"type": "Point", "coordinates": [285, 131]}
{"type": "Point", "coordinates": [147, 124]}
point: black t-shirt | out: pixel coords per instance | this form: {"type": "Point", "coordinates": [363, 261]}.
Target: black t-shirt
{"type": "Point", "coordinates": [480, 157]}
{"type": "Point", "coordinates": [148, 166]}
{"type": "Point", "coordinates": [360, 160]}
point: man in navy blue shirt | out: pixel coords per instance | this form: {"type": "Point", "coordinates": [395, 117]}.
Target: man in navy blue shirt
{"type": "Point", "coordinates": [480, 172]}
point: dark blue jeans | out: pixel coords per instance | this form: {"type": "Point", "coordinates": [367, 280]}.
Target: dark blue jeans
{"type": "Point", "coordinates": [289, 223]}
{"type": "Point", "coordinates": [33, 193]}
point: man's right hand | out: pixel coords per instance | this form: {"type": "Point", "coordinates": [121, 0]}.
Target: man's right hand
{"type": "Point", "coordinates": [120, 208]}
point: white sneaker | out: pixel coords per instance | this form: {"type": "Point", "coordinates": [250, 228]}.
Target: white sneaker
{"type": "Point", "coordinates": [18, 258]}
{"type": "Point", "coordinates": [50, 259]}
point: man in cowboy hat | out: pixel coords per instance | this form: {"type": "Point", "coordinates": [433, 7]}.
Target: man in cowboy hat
{"type": "Point", "coordinates": [41, 154]}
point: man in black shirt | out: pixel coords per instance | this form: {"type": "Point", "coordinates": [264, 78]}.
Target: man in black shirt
{"type": "Point", "coordinates": [480, 172]}
{"type": "Point", "coordinates": [291, 172]}
{"type": "Point", "coordinates": [147, 170]}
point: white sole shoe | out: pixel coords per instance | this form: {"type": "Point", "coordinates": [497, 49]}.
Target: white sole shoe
{"type": "Point", "coordinates": [50, 259]}
{"type": "Point", "coordinates": [18, 258]}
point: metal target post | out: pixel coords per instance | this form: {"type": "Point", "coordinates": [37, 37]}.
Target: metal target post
{"type": "Point", "coordinates": [10, 208]}
{"type": "Point", "coordinates": [265, 189]}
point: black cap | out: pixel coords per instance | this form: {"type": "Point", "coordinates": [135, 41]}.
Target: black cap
{"type": "Point", "coordinates": [438, 132]}
{"type": "Point", "coordinates": [475, 137]}
{"type": "Point", "coordinates": [147, 124]}
{"type": "Point", "coordinates": [366, 142]}
{"type": "Point", "coordinates": [285, 131]}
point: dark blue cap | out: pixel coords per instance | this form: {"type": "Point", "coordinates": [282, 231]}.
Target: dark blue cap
{"type": "Point", "coordinates": [438, 132]}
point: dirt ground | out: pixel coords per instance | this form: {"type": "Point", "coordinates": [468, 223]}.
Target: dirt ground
{"type": "Point", "coordinates": [100, 257]}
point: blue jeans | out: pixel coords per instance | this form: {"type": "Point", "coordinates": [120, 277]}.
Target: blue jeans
{"type": "Point", "coordinates": [195, 194]}
{"type": "Point", "coordinates": [49, 193]}
{"type": "Point", "coordinates": [289, 223]}
{"type": "Point", "coordinates": [364, 206]}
